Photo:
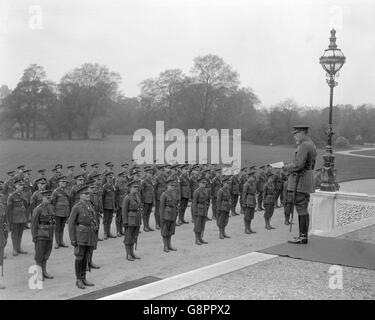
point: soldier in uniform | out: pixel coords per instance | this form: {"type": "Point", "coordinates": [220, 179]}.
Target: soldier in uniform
{"type": "Point", "coordinates": [269, 201]}
{"type": "Point", "coordinates": [9, 185]}
{"type": "Point", "coordinates": [96, 201]}
{"type": "Point", "coordinates": [27, 193]}
{"type": "Point", "coordinates": [261, 181]}
{"type": "Point", "coordinates": [223, 207]}
{"type": "Point", "coordinates": [36, 197]}
{"type": "Point", "coordinates": [52, 182]}
{"type": "Point", "coordinates": [19, 174]}
{"type": "Point", "coordinates": [42, 175]}
{"type": "Point", "coordinates": [249, 201]}
{"type": "Point", "coordinates": [131, 217]}
{"type": "Point", "coordinates": [241, 181]}
{"type": "Point", "coordinates": [94, 171]}
{"type": "Point", "coordinates": [109, 204]}
{"type": "Point", "coordinates": [147, 194]}
{"type": "Point", "coordinates": [42, 227]}
{"type": "Point", "coordinates": [215, 187]}
{"type": "Point", "coordinates": [74, 195]}
{"type": "Point", "coordinates": [159, 187]}
{"type": "Point", "coordinates": [199, 210]}
{"type": "Point", "coordinates": [185, 194]}
{"type": "Point", "coordinates": [83, 229]}
{"type": "Point", "coordinates": [70, 177]}
{"type": "Point", "coordinates": [194, 176]}
{"type": "Point", "coordinates": [288, 203]}
{"type": "Point", "coordinates": [301, 179]}
{"type": "Point", "coordinates": [4, 229]}
{"type": "Point", "coordinates": [122, 190]}
{"type": "Point", "coordinates": [84, 171]}
{"type": "Point", "coordinates": [108, 169]}
{"type": "Point", "coordinates": [234, 192]}
{"type": "Point", "coordinates": [168, 214]}
{"type": "Point", "coordinates": [17, 216]}
{"type": "Point", "coordinates": [61, 205]}
{"type": "Point", "coordinates": [278, 187]}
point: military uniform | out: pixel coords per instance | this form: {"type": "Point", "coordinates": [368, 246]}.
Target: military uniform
{"type": "Point", "coordinates": [287, 202]}
{"type": "Point", "coordinates": [249, 203]}
{"type": "Point", "coordinates": [278, 187]}
{"type": "Point", "coordinates": [193, 186]}
{"type": "Point", "coordinates": [269, 202]}
{"type": "Point", "coordinates": [160, 187]}
{"type": "Point", "coordinates": [215, 187]}
{"type": "Point", "coordinates": [223, 208]}
{"type": "Point", "coordinates": [83, 229]}
{"type": "Point", "coordinates": [121, 191]}
{"type": "Point", "coordinates": [4, 229]}
{"type": "Point", "coordinates": [261, 181]}
{"type": "Point", "coordinates": [301, 170]}
{"type": "Point", "coordinates": [147, 194]}
{"type": "Point", "coordinates": [199, 210]}
{"type": "Point", "coordinates": [17, 216]}
{"type": "Point", "coordinates": [234, 193]}
{"type": "Point", "coordinates": [241, 182]}
{"type": "Point", "coordinates": [61, 205]}
{"type": "Point", "coordinates": [168, 215]}
{"type": "Point", "coordinates": [42, 228]}
{"type": "Point", "coordinates": [185, 196]}
{"type": "Point", "coordinates": [131, 217]}
{"type": "Point", "coordinates": [109, 207]}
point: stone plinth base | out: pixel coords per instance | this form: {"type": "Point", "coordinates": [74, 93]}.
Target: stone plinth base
{"type": "Point", "coordinates": [336, 209]}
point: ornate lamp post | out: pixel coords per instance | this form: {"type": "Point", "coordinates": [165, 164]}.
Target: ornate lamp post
{"type": "Point", "coordinates": [332, 61]}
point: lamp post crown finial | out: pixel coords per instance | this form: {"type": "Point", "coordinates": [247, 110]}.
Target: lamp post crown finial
{"type": "Point", "coordinates": [332, 39]}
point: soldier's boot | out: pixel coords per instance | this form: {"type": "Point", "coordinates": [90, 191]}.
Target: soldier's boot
{"type": "Point", "coordinates": [165, 242]}
{"type": "Point", "coordinates": [84, 281]}
{"type": "Point", "coordinates": [118, 229]}
{"type": "Point", "coordinates": [251, 230]}
{"type": "Point", "coordinates": [145, 227]}
{"type": "Point", "coordinates": [224, 234]}
{"type": "Point", "coordinates": [40, 272]}
{"type": "Point", "coordinates": [128, 253]}
{"type": "Point", "coordinates": [197, 240]}
{"type": "Point", "coordinates": [286, 222]}
{"type": "Point", "coordinates": [77, 265]}
{"type": "Point", "coordinates": [157, 222]}
{"type": "Point", "coordinates": [148, 223]}
{"type": "Point", "coordinates": [201, 238]}
{"type": "Point", "coordinates": [105, 231]}
{"type": "Point", "coordinates": [170, 244]}
{"type": "Point", "coordinates": [267, 224]}
{"type": "Point", "coordinates": [132, 252]}
{"type": "Point", "coordinates": [46, 275]}
{"type": "Point", "coordinates": [221, 235]}
{"type": "Point", "coordinates": [247, 230]}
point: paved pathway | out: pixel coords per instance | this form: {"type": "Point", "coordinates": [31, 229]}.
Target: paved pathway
{"type": "Point", "coordinates": [350, 153]}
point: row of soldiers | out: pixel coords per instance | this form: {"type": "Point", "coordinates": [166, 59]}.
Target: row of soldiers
{"type": "Point", "coordinates": [88, 197]}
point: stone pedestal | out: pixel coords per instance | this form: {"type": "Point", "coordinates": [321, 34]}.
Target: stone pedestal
{"type": "Point", "coordinates": [336, 209]}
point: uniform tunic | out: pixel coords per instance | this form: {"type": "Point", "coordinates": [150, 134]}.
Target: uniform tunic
{"type": "Point", "coordinates": [249, 201]}
{"type": "Point", "coordinates": [61, 204]}
{"type": "Point", "coordinates": [234, 192]}
{"type": "Point", "coordinates": [42, 228]}
{"type": "Point", "coordinates": [303, 164]}
{"type": "Point", "coordinates": [168, 213]}
{"type": "Point", "coordinates": [147, 194]}
{"type": "Point", "coordinates": [131, 217]}
{"type": "Point", "coordinates": [223, 206]}
{"type": "Point", "coordinates": [269, 200]}
{"type": "Point", "coordinates": [4, 229]}
{"type": "Point", "coordinates": [199, 209]}
{"type": "Point", "coordinates": [215, 187]}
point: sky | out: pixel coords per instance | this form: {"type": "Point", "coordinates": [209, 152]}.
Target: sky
{"type": "Point", "coordinates": [274, 45]}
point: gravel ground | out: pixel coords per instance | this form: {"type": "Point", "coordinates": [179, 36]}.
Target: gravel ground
{"type": "Point", "coordinates": [280, 279]}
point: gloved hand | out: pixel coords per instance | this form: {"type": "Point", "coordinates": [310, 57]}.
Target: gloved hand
{"type": "Point", "coordinates": [74, 243]}
{"type": "Point", "coordinates": [34, 240]}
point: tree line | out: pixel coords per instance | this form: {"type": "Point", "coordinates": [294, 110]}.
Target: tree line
{"type": "Point", "coordinates": [87, 103]}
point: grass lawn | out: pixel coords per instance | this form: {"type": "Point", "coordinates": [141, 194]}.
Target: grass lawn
{"type": "Point", "coordinates": [119, 149]}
